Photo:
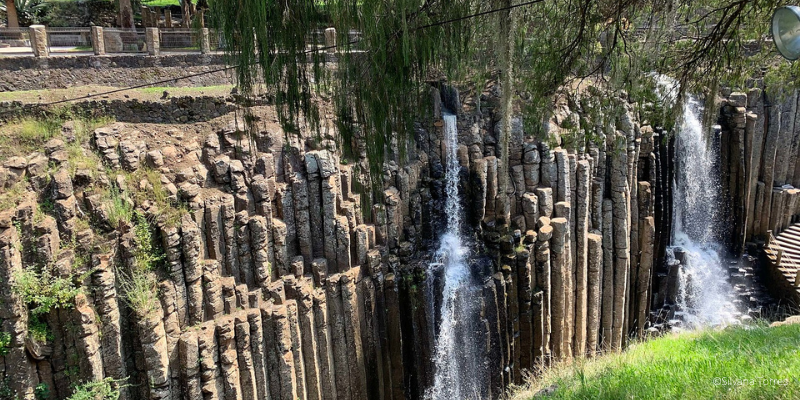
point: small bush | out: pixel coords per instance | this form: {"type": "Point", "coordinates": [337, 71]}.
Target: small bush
{"type": "Point", "coordinates": [5, 391]}
{"type": "Point", "coordinates": [96, 390]}
{"type": "Point", "coordinates": [43, 208]}
{"type": "Point", "coordinates": [140, 285]}
{"type": "Point", "coordinates": [41, 391]}
{"type": "Point", "coordinates": [43, 292]}
{"type": "Point", "coordinates": [12, 196]}
{"type": "Point", "coordinates": [119, 208]}
{"type": "Point", "coordinates": [38, 329]}
{"type": "Point", "coordinates": [156, 193]}
{"type": "Point", "coordinates": [77, 158]}
{"type": "Point", "coordinates": [140, 290]}
{"type": "Point", "coordinates": [148, 253]}
{"type": "Point", "coordinates": [5, 343]}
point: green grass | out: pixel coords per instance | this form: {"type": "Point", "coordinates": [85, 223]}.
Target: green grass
{"type": "Point", "coordinates": [20, 138]}
{"type": "Point", "coordinates": [182, 89]}
{"type": "Point", "coordinates": [26, 135]}
{"type": "Point", "coordinates": [119, 209]}
{"type": "Point", "coordinates": [756, 362]}
{"type": "Point", "coordinates": [12, 196]}
{"type": "Point", "coordinates": [161, 3]}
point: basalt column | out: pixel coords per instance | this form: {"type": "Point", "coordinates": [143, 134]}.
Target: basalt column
{"type": "Point", "coordinates": [581, 268]}
{"type": "Point", "coordinates": [620, 197]}
{"type": "Point", "coordinates": [559, 270]}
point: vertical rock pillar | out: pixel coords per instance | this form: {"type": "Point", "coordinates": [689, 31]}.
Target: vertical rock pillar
{"type": "Point", "coordinates": [542, 304]}
{"type": "Point", "coordinates": [594, 288]}
{"type": "Point", "coordinates": [620, 198]}
{"type": "Point", "coordinates": [189, 356]}
{"type": "Point", "coordinates": [607, 300]}
{"type": "Point", "coordinates": [559, 257]}
{"type": "Point", "coordinates": [583, 177]}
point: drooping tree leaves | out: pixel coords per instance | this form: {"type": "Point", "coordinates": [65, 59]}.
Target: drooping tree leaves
{"type": "Point", "coordinates": [390, 51]}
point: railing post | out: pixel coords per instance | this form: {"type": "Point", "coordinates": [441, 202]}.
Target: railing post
{"type": "Point", "coordinates": [98, 43]}
{"type": "Point", "coordinates": [330, 39]}
{"type": "Point", "coordinates": [205, 42]}
{"type": "Point", "coordinates": [797, 278]}
{"type": "Point", "coordinates": [153, 41]}
{"type": "Point", "coordinates": [39, 41]}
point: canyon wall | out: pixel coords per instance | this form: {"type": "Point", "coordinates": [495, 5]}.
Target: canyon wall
{"type": "Point", "coordinates": [760, 139]}
{"type": "Point", "coordinates": [280, 277]}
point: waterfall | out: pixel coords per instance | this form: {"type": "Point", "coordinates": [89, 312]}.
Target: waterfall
{"type": "Point", "coordinates": [705, 295]}
{"type": "Point", "coordinates": [457, 359]}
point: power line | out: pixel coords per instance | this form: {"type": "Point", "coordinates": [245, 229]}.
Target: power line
{"type": "Point", "coordinates": [480, 14]}
{"type": "Point", "coordinates": [143, 85]}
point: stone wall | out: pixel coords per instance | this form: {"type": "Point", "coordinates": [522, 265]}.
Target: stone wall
{"type": "Point", "coordinates": [32, 73]}
{"type": "Point", "coordinates": [174, 110]}
{"type": "Point", "coordinates": [283, 279]}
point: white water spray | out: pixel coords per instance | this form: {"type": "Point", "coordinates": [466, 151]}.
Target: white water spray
{"type": "Point", "coordinates": [456, 360]}
{"type": "Point", "coordinates": [705, 295]}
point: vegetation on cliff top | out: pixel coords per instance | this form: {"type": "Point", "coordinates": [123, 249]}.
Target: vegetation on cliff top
{"type": "Point", "coordinates": [753, 362]}
{"type": "Point", "coordinates": [390, 53]}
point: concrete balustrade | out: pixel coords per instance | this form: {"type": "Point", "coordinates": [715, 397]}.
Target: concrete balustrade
{"type": "Point", "coordinates": [98, 43]}
{"type": "Point", "coordinates": [205, 42]}
{"type": "Point", "coordinates": [330, 39]}
{"type": "Point", "coordinates": [153, 41]}
{"type": "Point", "coordinates": [39, 41]}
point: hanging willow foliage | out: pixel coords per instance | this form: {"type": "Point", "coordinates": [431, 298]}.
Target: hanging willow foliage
{"type": "Point", "coordinates": [389, 51]}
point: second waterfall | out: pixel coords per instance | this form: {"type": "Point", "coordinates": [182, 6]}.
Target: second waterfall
{"type": "Point", "coordinates": [458, 362]}
{"type": "Point", "coordinates": [705, 293]}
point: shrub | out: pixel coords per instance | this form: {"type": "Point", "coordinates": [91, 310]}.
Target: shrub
{"type": "Point", "coordinates": [140, 285]}
{"type": "Point", "coordinates": [41, 391]}
{"type": "Point", "coordinates": [5, 343]}
{"type": "Point", "coordinates": [148, 253]}
{"type": "Point", "coordinates": [96, 390]}
{"type": "Point", "coordinates": [43, 292]}
{"type": "Point", "coordinates": [38, 329]}
{"type": "Point", "coordinates": [140, 290]}
{"type": "Point", "coordinates": [12, 196]}
{"type": "Point", "coordinates": [119, 208]}
{"type": "Point", "coordinates": [5, 391]}
{"type": "Point", "coordinates": [156, 193]}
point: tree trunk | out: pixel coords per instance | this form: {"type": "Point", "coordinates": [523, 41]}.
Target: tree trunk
{"type": "Point", "coordinates": [11, 14]}
{"type": "Point", "coordinates": [506, 42]}
{"type": "Point", "coordinates": [188, 10]}
{"type": "Point", "coordinates": [125, 14]}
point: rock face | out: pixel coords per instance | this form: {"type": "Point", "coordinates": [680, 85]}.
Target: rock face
{"type": "Point", "coordinates": [285, 277]}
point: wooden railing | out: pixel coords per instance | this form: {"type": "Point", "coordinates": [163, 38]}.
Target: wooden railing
{"type": "Point", "coordinates": [775, 246]}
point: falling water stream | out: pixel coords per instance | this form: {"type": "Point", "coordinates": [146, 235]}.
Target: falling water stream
{"type": "Point", "coordinates": [457, 361]}
{"type": "Point", "coordinates": [705, 294]}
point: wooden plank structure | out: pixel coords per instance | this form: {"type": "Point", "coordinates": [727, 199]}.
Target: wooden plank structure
{"type": "Point", "coordinates": [783, 253]}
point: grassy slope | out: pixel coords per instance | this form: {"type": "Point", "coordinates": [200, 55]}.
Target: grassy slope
{"type": "Point", "coordinates": [730, 364]}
